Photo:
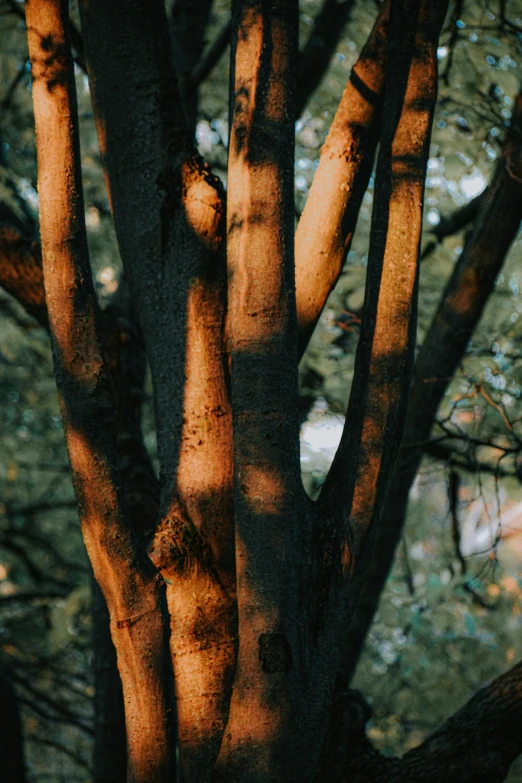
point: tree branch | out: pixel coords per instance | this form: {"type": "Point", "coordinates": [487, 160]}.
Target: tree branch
{"type": "Point", "coordinates": [326, 227]}
{"type": "Point", "coordinates": [476, 745]}
{"type": "Point", "coordinates": [315, 56]}
{"type": "Point", "coordinates": [363, 467]}
{"type": "Point", "coordinates": [459, 311]}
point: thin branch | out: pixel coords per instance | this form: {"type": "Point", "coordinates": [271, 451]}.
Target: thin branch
{"type": "Point", "coordinates": [211, 58]}
{"type": "Point", "coordinates": [363, 466]}
{"type": "Point", "coordinates": [477, 744]}
{"type": "Point", "coordinates": [316, 54]}
{"type": "Point", "coordinates": [459, 311]}
{"type": "Point", "coordinates": [326, 227]}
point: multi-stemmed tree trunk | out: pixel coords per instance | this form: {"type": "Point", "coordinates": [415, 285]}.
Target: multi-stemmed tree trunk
{"type": "Point", "coordinates": [230, 594]}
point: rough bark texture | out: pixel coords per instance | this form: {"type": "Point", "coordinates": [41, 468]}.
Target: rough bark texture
{"type": "Point", "coordinates": [476, 745]}
{"type": "Point", "coordinates": [130, 584]}
{"type": "Point", "coordinates": [460, 309]}
{"type": "Point", "coordinates": [168, 214]}
{"type": "Point", "coordinates": [259, 740]}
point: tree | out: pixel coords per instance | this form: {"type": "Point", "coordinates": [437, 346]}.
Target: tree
{"type": "Point", "coordinates": [230, 594]}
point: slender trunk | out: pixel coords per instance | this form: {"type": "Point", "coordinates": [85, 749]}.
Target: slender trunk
{"type": "Point", "coordinates": [131, 586]}
{"type": "Point", "coordinates": [460, 309]}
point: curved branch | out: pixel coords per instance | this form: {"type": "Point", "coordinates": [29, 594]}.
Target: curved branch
{"type": "Point", "coordinates": [477, 744]}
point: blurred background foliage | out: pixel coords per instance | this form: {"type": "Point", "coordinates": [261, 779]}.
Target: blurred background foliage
{"type": "Point", "coordinates": [450, 618]}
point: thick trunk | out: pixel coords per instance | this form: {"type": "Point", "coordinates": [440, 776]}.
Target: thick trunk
{"type": "Point", "coordinates": [270, 505]}
{"type": "Point", "coordinates": [460, 309]}
{"type": "Point", "coordinates": [157, 181]}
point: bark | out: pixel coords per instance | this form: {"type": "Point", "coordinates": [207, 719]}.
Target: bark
{"type": "Point", "coordinates": [460, 309]}
{"type": "Point", "coordinates": [168, 211]}
{"type": "Point", "coordinates": [134, 594]}
{"type": "Point", "coordinates": [353, 496]}
{"type": "Point", "coordinates": [362, 470]}
{"type": "Point", "coordinates": [74, 33]}
{"type": "Point", "coordinates": [21, 272]}
{"type": "Point", "coordinates": [326, 227]}
{"type": "Point", "coordinates": [476, 745]}
{"type": "Point", "coordinates": [11, 738]}
{"type": "Point", "coordinates": [260, 741]}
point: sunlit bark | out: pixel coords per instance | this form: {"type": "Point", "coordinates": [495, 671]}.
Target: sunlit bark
{"type": "Point", "coordinates": [168, 213]}
{"type": "Point", "coordinates": [130, 584]}
{"type": "Point", "coordinates": [259, 742]}
{"type": "Point", "coordinates": [326, 227]}
{"type": "Point", "coordinates": [362, 470]}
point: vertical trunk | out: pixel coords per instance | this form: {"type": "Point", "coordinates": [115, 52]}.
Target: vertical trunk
{"type": "Point", "coordinates": [351, 503]}
{"type": "Point", "coordinates": [460, 309]}
{"type": "Point", "coordinates": [270, 509]}
{"type": "Point", "coordinates": [131, 586]}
